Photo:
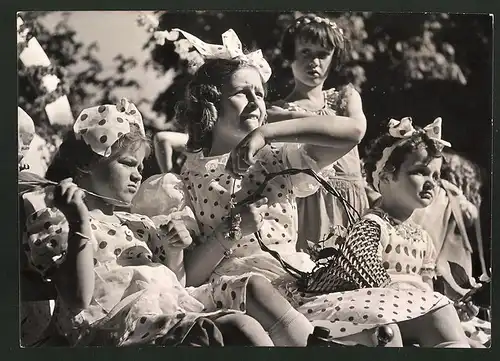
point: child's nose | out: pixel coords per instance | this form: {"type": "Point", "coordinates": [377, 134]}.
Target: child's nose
{"type": "Point", "coordinates": [136, 176]}
{"type": "Point", "coordinates": [429, 185]}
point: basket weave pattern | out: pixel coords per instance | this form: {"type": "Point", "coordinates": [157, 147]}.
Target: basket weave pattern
{"type": "Point", "coordinates": [355, 264]}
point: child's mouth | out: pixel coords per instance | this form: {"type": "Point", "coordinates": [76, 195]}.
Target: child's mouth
{"type": "Point", "coordinates": [313, 73]}
{"type": "Point", "coordinates": [426, 195]}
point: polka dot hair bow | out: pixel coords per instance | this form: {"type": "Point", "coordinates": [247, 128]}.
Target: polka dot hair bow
{"type": "Point", "coordinates": [101, 126]}
{"type": "Point", "coordinates": [231, 48]}
{"type": "Point", "coordinates": [404, 130]}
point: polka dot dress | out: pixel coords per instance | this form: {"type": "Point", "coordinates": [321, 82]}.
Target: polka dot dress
{"type": "Point", "coordinates": [207, 189]}
{"type": "Point", "coordinates": [134, 294]}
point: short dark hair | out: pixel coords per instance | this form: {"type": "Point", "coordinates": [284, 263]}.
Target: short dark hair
{"type": "Point", "coordinates": [316, 32]}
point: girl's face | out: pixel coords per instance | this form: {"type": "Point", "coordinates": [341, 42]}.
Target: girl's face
{"type": "Point", "coordinates": [415, 183]}
{"type": "Point", "coordinates": [311, 63]}
{"type": "Point", "coordinates": [242, 107]}
{"type": "Point", "coordinates": [120, 176]}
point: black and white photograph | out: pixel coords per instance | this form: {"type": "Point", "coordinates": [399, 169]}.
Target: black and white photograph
{"type": "Point", "coordinates": [254, 178]}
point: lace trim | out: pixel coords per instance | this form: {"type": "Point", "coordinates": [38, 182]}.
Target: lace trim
{"type": "Point", "coordinates": [407, 229]}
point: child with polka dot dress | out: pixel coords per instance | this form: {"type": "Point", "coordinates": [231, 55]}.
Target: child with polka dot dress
{"type": "Point", "coordinates": [404, 167]}
{"type": "Point", "coordinates": [315, 46]}
{"type": "Point", "coordinates": [229, 158]}
{"type": "Point", "coordinates": [120, 276]}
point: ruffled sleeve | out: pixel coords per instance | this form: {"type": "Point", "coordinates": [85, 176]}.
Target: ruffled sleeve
{"type": "Point", "coordinates": [46, 240]}
{"type": "Point", "coordinates": [162, 198]}
{"type": "Point", "coordinates": [294, 155]}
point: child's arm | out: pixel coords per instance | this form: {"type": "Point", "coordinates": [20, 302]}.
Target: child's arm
{"type": "Point", "coordinates": [327, 138]}
{"type": "Point", "coordinates": [428, 271]}
{"type": "Point", "coordinates": [164, 144]}
{"type": "Point", "coordinates": [278, 114]}
{"type": "Point", "coordinates": [74, 278]}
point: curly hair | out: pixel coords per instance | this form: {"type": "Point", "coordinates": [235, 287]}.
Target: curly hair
{"type": "Point", "coordinates": [463, 173]}
{"type": "Point", "coordinates": [199, 111]}
{"type": "Point", "coordinates": [75, 157]}
{"type": "Point", "coordinates": [306, 28]}
{"type": "Point", "coordinates": [399, 154]}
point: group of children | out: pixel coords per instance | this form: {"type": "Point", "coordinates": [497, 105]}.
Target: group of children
{"type": "Point", "coordinates": [186, 258]}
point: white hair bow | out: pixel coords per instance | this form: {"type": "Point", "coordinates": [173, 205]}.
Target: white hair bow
{"type": "Point", "coordinates": [231, 48]}
{"type": "Point", "coordinates": [403, 130]}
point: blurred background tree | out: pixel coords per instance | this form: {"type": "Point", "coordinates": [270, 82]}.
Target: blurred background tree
{"type": "Point", "coordinates": [418, 65]}
{"type": "Point", "coordinates": [77, 66]}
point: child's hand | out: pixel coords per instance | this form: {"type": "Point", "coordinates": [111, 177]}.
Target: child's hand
{"type": "Point", "coordinates": [243, 156]}
{"type": "Point", "coordinates": [250, 216]}
{"type": "Point", "coordinates": [68, 198]}
{"type": "Point", "coordinates": [466, 311]}
{"type": "Point", "coordinates": [176, 234]}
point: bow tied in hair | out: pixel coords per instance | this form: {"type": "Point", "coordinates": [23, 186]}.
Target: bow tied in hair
{"type": "Point", "coordinates": [231, 48]}
{"type": "Point", "coordinates": [101, 126]}
{"type": "Point", "coordinates": [403, 129]}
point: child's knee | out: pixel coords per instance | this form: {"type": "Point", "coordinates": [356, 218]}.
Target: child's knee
{"type": "Point", "coordinates": [237, 322]}
{"type": "Point", "coordinates": [259, 286]}
{"type": "Point", "coordinates": [241, 329]}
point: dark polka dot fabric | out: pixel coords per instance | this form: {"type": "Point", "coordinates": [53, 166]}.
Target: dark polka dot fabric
{"type": "Point", "coordinates": [103, 125]}
{"type": "Point", "coordinates": [406, 250]}
{"type": "Point", "coordinates": [348, 313]}
{"type": "Point", "coordinates": [134, 294]}
{"type": "Point", "coordinates": [45, 241]}
{"type": "Point", "coordinates": [204, 178]}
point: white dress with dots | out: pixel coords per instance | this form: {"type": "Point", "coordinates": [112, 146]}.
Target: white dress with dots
{"type": "Point", "coordinates": [206, 188]}
{"type": "Point", "coordinates": [136, 299]}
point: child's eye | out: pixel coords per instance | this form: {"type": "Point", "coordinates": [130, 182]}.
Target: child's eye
{"type": "Point", "coordinates": [260, 94]}
{"type": "Point", "coordinates": [128, 162]}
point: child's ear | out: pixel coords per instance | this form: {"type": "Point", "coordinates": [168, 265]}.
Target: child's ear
{"type": "Point", "coordinates": [387, 176]}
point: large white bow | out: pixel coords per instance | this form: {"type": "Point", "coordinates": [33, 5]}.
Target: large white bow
{"type": "Point", "coordinates": [231, 48]}
{"type": "Point", "coordinates": [403, 129]}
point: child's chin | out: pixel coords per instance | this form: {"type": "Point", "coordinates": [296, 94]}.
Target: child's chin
{"type": "Point", "coordinates": [424, 202]}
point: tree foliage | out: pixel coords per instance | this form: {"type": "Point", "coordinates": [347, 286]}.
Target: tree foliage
{"type": "Point", "coordinates": [419, 65]}
{"type": "Point", "coordinates": [78, 67]}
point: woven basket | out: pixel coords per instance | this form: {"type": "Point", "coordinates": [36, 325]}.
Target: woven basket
{"type": "Point", "coordinates": [355, 264]}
